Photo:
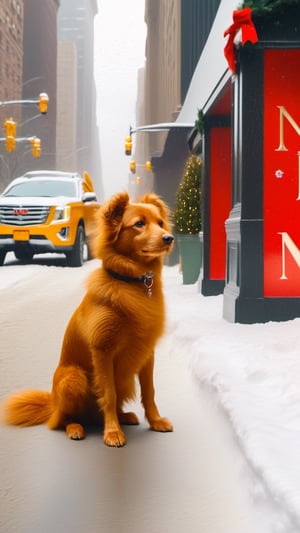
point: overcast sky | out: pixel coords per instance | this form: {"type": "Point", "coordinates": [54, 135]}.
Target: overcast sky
{"type": "Point", "coordinates": [120, 34]}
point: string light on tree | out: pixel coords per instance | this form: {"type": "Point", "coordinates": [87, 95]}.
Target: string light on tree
{"type": "Point", "coordinates": [188, 198]}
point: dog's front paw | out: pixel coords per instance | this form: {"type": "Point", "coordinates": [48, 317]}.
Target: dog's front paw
{"type": "Point", "coordinates": [161, 424]}
{"type": "Point", "coordinates": [114, 437]}
{"type": "Point", "coordinates": [75, 431]}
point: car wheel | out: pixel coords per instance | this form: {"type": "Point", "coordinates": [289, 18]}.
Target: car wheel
{"type": "Point", "coordinates": [89, 251]}
{"type": "Point", "coordinates": [75, 257]}
{"type": "Point", "coordinates": [2, 257]}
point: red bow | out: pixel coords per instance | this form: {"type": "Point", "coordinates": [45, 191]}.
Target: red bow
{"type": "Point", "coordinates": [241, 21]}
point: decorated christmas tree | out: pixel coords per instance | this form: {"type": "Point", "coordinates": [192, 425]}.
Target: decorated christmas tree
{"type": "Point", "coordinates": [188, 198]}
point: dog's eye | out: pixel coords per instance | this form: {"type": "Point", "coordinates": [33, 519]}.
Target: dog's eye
{"type": "Point", "coordinates": [140, 224]}
{"type": "Point", "coordinates": [160, 223]}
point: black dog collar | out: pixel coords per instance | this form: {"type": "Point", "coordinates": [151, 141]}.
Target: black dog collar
{"type": "Point", "coordinates": [147, 279]}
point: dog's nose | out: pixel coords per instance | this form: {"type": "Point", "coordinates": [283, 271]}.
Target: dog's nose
{"type": "Point", "coordinates": [167, 238]}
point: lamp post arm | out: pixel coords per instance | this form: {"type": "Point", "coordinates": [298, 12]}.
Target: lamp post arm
{"type": "Point", "coordinates": [10, 102]}
{"type": "Point", "coordinates": [164, 126]}
{"type": "Point", "coordinates": [19, 139]}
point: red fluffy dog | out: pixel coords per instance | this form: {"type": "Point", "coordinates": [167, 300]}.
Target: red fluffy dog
{"type": "Point", "coordinates": [112, 334]}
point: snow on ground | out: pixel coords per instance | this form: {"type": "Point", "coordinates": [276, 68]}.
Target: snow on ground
{"type": "Point", "coordinates": [255, 372]}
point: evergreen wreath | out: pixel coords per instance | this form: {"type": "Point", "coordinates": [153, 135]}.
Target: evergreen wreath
{"type": "Point", "coordinates": [188, 198]}
{"type": "Point", "coordinates": [266, 7]}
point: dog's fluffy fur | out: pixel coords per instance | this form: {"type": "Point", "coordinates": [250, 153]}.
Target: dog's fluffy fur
{"type": "Point", "coordinates": [112, 334]}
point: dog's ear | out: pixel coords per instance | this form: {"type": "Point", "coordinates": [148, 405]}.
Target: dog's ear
{"type": "Point", "coordinates": [152, 198]}
{"type": "Point", "coordinates": [107, 224]}
{"type": "Point", "coordinates": [113, 211]}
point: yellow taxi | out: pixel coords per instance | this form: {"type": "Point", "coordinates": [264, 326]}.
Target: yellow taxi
{"type": "Point", "coordinates": [47, 211]}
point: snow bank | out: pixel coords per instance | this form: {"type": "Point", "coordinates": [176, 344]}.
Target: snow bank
{"type": "Point", "coordinates": [255, 370]}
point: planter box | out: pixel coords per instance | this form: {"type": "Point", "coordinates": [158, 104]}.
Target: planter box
{"type": "Point", "coordinates": [190, 249]}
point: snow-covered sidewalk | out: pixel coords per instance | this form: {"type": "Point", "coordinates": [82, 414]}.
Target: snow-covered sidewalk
{"type": "Point", "coordinates": [255, 371]}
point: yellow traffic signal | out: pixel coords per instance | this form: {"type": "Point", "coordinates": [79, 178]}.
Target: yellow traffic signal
{"type": "Point", "coordinates": [10, 127]}
{"type": "Point", "coordinates": [132, 166]}
{"type": "Point", "coordinates": [10, 143]}
{"type": "Point", "coordinates": [43, 103]}
{"type": "Point", "coordinates": [128, 146]}
{"type": "Point", "coordinates": [138, 180]}
{"type": "Point", "coordinates": [36, 146]}
{"type": "Point", "coordinates": [148, 166]}
{"type": "Point", "coordinates": [10, 132]}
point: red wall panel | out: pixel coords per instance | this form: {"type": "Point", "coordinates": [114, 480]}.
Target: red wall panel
{"type": "Point", "coordinates": [281, 173]}
{"type": "Point", "coordinates": [220, 198]}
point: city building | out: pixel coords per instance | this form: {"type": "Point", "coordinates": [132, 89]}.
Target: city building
{"type": "Point", "coordinates": [176, 35]}
{"type": "Point", "coordinates": [77, 143]}
{"type": "Point", "coordinates": [11, 49]}
{"type": "Point", "coordinates": [39, 76]}
{"type": "Point", "coordinates": [11, 69]}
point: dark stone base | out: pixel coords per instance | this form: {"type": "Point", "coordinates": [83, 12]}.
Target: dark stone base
{"type": "Point", "coordinates": [258, 310]}
{"type": "Point", "coordinates": [211, 287]}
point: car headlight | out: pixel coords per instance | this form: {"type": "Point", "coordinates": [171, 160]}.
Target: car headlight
{"type": "Point", "coordinates": [62, 213]}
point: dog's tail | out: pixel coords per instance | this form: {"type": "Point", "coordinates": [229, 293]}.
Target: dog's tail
{"type": "Point", "coordinates": [28, 408]}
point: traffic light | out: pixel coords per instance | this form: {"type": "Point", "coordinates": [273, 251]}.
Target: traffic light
{"type": "Point", "coordinates": [10, 143]}
{"type": "Point", "coordinates": [128, 146]}
{"type": "Point", "coordinates": [132, 166]}
{"type": "Point", "coordinates": [36, 146]}
{"type": "Point", "coordinates": [43, 103]}
{"type": "Point", "coordinates": [10, 132]}
{"type": "Point", "coordinates": [148, 166]}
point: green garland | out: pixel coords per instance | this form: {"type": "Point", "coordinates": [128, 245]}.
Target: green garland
{"type": "Point", "coordinates": [266, 7]}
{"type": "Point", "coordinates": [199, 122]}
{"type": "Point", "coordinates": [188, 198]}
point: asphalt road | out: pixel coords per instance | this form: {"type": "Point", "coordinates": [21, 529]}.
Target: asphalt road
{"type": "Point", "coordinates": [188, 481]}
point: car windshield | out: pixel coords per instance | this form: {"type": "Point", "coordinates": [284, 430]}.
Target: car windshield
{"type": "Point", "coordinates": [43, 188]}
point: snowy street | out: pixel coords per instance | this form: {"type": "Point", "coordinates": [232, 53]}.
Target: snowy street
{"type": "Point", "coordinates": [232, 392]}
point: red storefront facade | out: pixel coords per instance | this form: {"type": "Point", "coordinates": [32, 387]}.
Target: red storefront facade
{"type": "Point", "coordinates": [262, 230]}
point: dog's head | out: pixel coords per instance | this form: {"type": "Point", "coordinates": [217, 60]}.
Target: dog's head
{"type": "Point", "coordinates": [139, 231]}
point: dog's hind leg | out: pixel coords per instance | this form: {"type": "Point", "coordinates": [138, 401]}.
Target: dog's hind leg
{"type": "Point", "coordinates": [157, 423]}
{"type": "Point", "coordinates": [71, 399]}
{"type": "Point", "coordinates": [125, 388]}
{"type": "Point", "coordinates": [128, 418]}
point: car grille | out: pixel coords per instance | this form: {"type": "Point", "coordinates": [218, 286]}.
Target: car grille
{"type": "Point", "coordinates": [18, 215]}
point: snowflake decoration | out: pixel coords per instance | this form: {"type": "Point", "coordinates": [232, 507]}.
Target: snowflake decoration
{"type": "Point", "coordinates": [279, 173]}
